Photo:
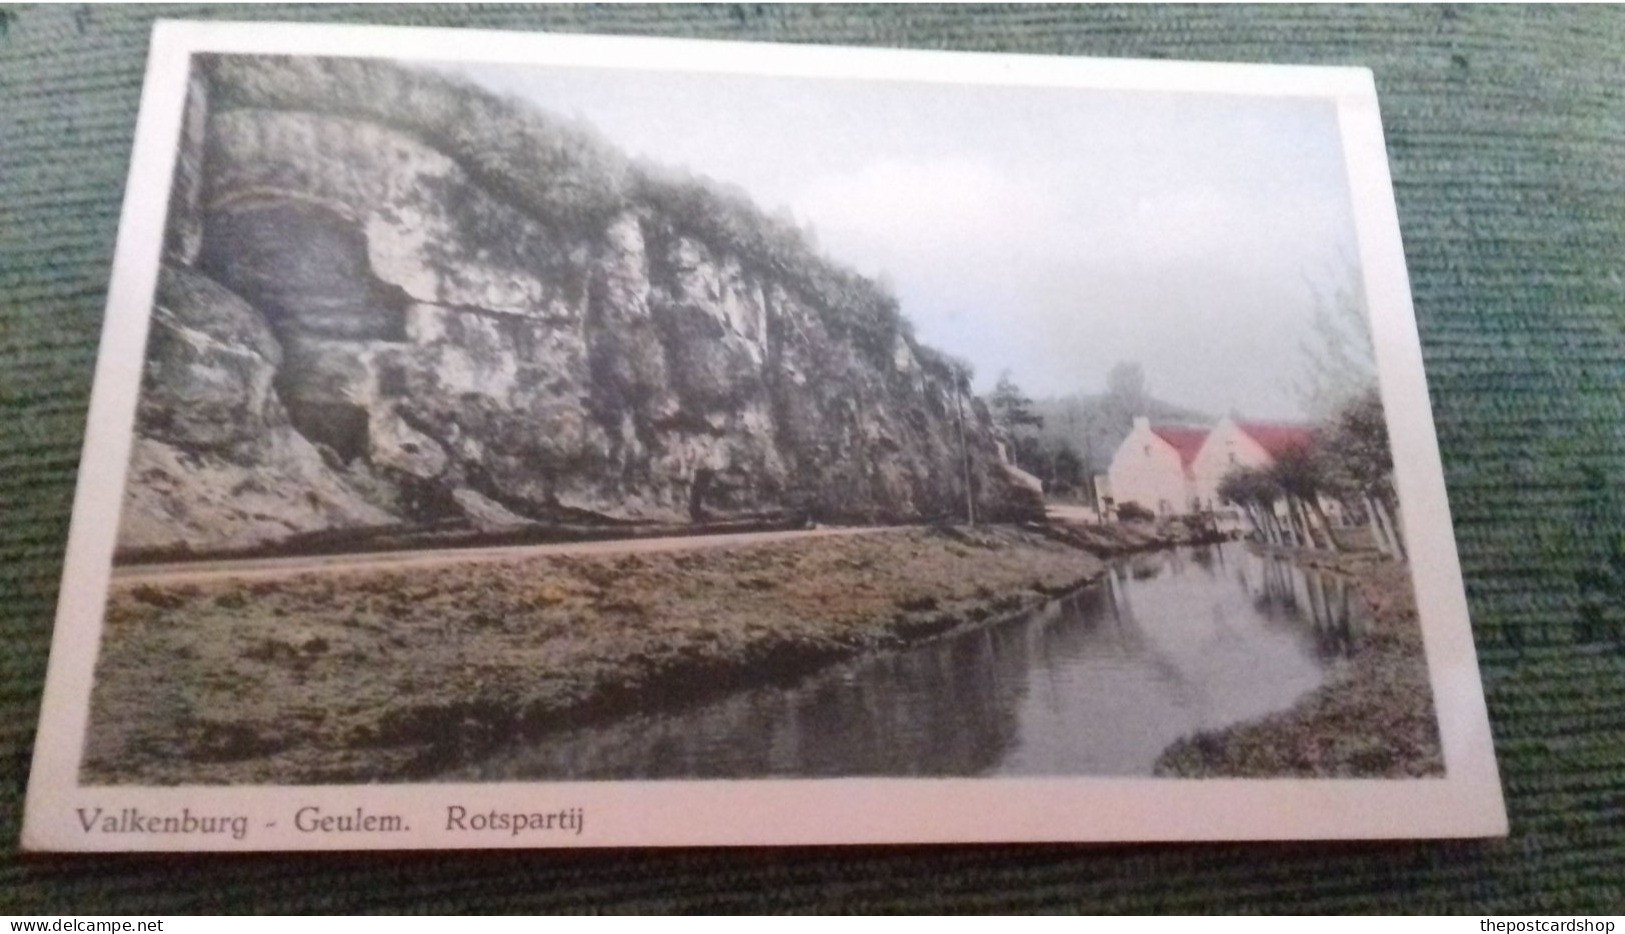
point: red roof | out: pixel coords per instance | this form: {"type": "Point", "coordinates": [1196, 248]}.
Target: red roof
{"type": "Point", "coordinates": [1187, 441]}
{"type": "Point", "coordinates": [1276, 438]}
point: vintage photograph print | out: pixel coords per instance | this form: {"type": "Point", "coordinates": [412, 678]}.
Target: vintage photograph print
{"type": "Point", "coordinates": [526, 441]}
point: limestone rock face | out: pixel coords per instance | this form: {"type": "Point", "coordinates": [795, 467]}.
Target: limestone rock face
{"type": "Point", "coordinates": [211, 362]}
{"type": "Point", "coordinates": [374, 315]}
{"type": "Point", "coordinates": [216, 462]}
{"type": "Point", "coordinates": [179, 502]}
{"type": "Point", "coordinates": [486, 515]}
{"type": "Point", "coordinates": [184, 235]}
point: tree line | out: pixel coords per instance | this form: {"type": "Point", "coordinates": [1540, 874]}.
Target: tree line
{"type": "Point", "coordinates": [1055, 461]}
{"type": "Point", "coordinates": [1348, 461]}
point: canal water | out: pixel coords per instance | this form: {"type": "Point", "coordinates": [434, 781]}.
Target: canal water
{"type": "Point", "coordinates": [1095, 683]}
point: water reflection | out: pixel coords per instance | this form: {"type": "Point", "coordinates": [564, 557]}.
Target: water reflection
{"type": "Point", "coordinates": [1097, 683]}
{"type": "Point", "coordinates": [1290, 597]}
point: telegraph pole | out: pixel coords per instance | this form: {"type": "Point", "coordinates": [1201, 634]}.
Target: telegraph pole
{"type": "Point", "coordinates": [964, 452]}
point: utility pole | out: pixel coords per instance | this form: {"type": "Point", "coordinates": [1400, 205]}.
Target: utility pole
{"type": "Point", "coordinates": [1089, 488]}
{"type": "Point", "coordinates": [1071, 437]}
{"type": "Point", "coordinates": [964, 452]}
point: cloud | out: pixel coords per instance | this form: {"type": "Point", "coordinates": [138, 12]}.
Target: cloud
{"type": "Point", "coordinates": [1058, 277]}
{"type": "Point", "coordinates": [897, 217]}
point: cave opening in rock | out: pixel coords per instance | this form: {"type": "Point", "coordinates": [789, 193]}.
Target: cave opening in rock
{"type": "Point", "coordinates": [697, 492]}
{"type": "Point", "coordinates": [341, 426]}
{"type": "Point", "coordinates": [305, 267]}
{"type": "Point", "coordinates": [426, 501]}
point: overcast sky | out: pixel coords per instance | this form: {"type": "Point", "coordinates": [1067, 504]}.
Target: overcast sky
{"type": "Point", "coordinates": [1049, 232]}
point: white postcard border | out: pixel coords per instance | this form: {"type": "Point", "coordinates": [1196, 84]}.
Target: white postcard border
{"type": "Point", "coordinates": [1466, 802]}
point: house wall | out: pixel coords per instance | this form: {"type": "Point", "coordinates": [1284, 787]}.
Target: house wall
{"type": "Point", "coordinates": [1227, 448]}
{"type": "Point", "coordinates": [1147, 470]}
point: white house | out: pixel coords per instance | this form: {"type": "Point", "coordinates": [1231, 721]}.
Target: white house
{"type": "Point", "coordinates": [1235, 443]}
{"type": "Point", "coordinates": [1153, 467]}
{"type": "Point", "coordinates": [1177, 469]}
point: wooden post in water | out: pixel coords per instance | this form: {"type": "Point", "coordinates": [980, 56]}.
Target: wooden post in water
{"type": "Point", "coordinates": [1378, 531]}
{"type": "Point", "coordinates": [1392, 526]}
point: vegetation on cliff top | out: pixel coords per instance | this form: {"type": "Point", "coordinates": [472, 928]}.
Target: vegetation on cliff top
{"type": "Point", "coordinates": [566, 174]}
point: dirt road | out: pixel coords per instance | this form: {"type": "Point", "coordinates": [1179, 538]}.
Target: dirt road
{"type": "Point", "coordinates": [250, 568]}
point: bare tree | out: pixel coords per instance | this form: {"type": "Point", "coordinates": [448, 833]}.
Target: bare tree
{"type": "Point", "coordinates": [1338, 362]}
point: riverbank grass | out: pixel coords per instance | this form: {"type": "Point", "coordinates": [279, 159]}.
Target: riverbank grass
{"type": "Point", "coordinates": [1372, 718]}
{"type": "Point", "coordinates": [394, 675]}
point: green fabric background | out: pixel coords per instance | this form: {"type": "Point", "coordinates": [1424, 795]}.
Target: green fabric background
{"type": "Point", "coordinates": [1506, 130]}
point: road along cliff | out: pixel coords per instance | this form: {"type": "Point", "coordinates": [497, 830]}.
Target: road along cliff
{"type": "Point", "coordinates": [392, 300]}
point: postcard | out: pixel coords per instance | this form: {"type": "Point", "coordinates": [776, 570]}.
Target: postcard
{"type": "Point", "coordinates": [506, 440]}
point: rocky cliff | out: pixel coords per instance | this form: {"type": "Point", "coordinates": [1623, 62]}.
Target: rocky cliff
{"type": "Point", "coordinates": [391, 300]}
